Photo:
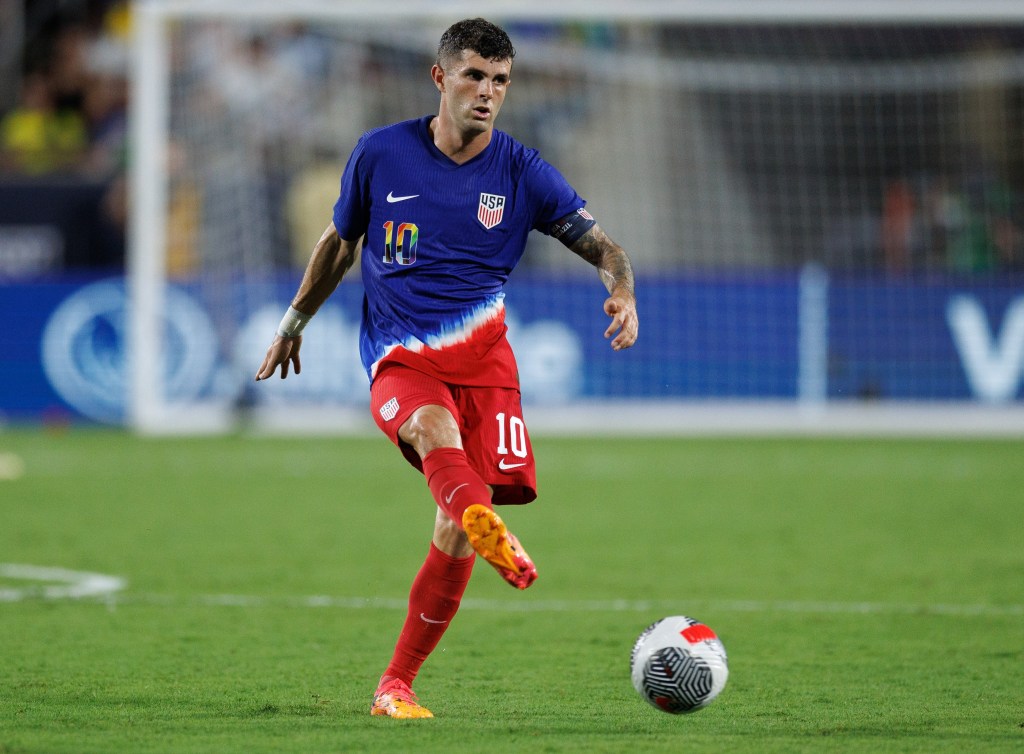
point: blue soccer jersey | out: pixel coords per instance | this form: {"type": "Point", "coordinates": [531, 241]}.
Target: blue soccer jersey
{"type": "Point", "coordinates": [440, 238]}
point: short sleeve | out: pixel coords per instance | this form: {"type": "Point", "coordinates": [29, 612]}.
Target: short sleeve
{"type": "Point", "coordinates": [551, 195]}
{"type": "Point", "coordinates": [352, 210]}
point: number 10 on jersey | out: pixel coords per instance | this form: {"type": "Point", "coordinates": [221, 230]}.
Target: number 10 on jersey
{"type": "Point", "coordinates": [400, 243]}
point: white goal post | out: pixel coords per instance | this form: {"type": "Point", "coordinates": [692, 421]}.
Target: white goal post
{"type": "Point", "coordinates": [757, 248]}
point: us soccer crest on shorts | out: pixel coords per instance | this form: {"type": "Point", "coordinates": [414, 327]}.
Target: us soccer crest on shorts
{"type": "Point", "coordinates": [389, 410]}
{"type": "Point", "coordinates": [491, 210]}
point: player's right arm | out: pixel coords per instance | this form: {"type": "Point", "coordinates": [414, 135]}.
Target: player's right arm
{"type": "Point", "coordinates": [332, 257]}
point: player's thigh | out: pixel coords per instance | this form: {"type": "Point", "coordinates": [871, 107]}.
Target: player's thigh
{"type": "Point", "coordinates": [395, 395]}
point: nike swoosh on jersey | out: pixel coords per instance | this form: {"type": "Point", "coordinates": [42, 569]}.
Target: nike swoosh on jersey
{"type": "Point", "coordinates": [392, 198]}
{"type": "Point", "coordinates": [506, 466]}
{"type": "Point", "coordinates": [425, 619]}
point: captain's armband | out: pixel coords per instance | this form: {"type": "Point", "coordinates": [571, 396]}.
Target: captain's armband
{"type": "Point", "coordinates": [573, 227]}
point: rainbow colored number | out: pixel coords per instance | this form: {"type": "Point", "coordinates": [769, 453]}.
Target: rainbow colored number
{"type": "Point", "coordinates": [396, 248]}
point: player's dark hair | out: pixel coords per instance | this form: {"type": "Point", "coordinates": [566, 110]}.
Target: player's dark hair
{"type": "Point", "coordinates": [482, 37]}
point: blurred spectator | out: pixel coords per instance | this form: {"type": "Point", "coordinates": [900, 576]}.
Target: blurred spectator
{"type": "Point", "coordinates": [307, 52]}
{"type": "Point", "coordinates": [309, 197]}
{"type": "Point", "coordinates": [183, 215]}
{"type": "Point", "coordinates": [988, 202]}
{"type": "Point", "coordinates": [67, 69]}
{"type": "Point", "coordinates": [251, 74]}
{"type": "Point", "coordinates": [899, 210]}
{"type": "Point", "coordinates": [944, 218]}
{"type": "Point", "coordinates": [105, 105]}
{"type": "Point", "coordinates": [967, 225]}
{"type": "Point", "coordinates": [1008, 239]}
{"type": "Point", "coordinates": [39, 137]}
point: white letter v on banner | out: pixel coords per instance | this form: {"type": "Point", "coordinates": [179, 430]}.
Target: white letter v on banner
{"type": "Point", "coordinates": [994, 362]}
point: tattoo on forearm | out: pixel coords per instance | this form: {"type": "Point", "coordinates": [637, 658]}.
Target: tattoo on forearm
{"type": "Point", "coordinates": [608, 257]}
{"type": "Point", "coordinates": [589, 247]}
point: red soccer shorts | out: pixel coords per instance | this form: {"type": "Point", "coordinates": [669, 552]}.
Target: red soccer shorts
{"type": "Point", "coordinates": [490, 421]}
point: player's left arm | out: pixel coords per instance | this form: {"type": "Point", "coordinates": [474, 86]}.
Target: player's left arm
{"type": "Point", "coordinates": [616, 273]}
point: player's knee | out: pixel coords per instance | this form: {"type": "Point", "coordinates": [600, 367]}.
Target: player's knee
{"type": "Point", "coordinates": [431, 427]}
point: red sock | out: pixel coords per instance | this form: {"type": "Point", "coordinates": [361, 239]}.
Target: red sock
{"type": "Point", "coordinates": [433, 601]}
{"type": "Point", "coordinates": [453, 483]}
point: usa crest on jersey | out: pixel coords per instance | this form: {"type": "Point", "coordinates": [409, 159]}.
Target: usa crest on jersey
{"type": "Point", "coordinates": [491, 210]}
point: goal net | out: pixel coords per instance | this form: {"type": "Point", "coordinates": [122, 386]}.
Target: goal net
{"type": "Point", "coordinates": [823, 207]}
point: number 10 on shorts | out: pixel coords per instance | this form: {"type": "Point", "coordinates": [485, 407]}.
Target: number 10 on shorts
{"type": "Point", "coordinates": [512, 431]}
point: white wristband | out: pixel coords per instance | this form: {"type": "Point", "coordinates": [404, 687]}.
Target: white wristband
{"type": "Point", "coordinates": [292, 323]}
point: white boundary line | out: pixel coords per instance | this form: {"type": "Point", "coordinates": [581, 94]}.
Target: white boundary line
{"type": "Point", "coordinates": [659, 607]}
{"type": "Point", "coordinates": [78, 585]}
{"type": "Point", "coordinates": [70, 584]}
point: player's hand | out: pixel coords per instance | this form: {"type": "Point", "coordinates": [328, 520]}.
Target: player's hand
{"type": "Point", "coordinates": [625, 324]}
{"type": "Point", "coordinates": [282, 352]}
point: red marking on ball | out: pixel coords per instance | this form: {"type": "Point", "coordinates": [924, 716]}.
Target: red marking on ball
{"type": "Point", "coordinates": [698, 633]}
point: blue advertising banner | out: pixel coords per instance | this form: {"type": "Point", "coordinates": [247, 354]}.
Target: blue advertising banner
{"type": "Point", "coordinates": [26, 391]}
{"type": "Point", "coordinates": [939, 340]}
{"type": "Point", "coordinates": [702, 337]}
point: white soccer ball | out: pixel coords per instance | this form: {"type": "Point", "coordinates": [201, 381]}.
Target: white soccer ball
{"type": "Point", "coordinates": [679, 665]}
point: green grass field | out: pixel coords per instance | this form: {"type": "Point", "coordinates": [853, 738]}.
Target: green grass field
{"type": "Point", "coordinates": [870, 594]}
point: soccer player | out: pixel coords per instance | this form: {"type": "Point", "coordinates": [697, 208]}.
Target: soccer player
{"type": "Point", "coordinates": [443, 205]}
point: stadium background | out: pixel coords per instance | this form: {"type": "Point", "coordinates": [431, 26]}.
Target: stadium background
{"type": "Point", "coordinates": [823, 202]}
{"type": "Point", "coordinates": [825, 214]}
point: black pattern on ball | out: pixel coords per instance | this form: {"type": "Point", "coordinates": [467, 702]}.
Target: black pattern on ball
{"type": "Point", "coordinates": [677, 681]}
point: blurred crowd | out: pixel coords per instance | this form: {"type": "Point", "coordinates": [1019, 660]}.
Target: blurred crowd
{"type": "Point", "coordinates": [968, 224]}
{"type": "Point", "coordinates": [250, 186]}
{"type": "Point", "coordinates": [68, 119]}
{"type": "Point", "coordinates": [70, 116]}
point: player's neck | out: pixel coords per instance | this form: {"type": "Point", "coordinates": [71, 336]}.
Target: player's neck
{"type": "Point", "coordinates": [458, 146]}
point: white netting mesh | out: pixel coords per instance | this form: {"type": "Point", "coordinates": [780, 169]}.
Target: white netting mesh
{"type": "Point", "coordinates": [703, 145]}
{"type": "Point", "coordinates": [725, 157]}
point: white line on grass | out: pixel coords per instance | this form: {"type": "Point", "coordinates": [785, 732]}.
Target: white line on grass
{"type": "Point", "coordinates": [109, 589]}
{"type": "Point", "coordinates": [526, 605]}
{"type": "Point", "coordinates": [69, 584]}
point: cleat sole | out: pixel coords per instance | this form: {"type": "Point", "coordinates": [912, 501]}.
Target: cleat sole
{"type": "Point", "coordinates": [401, 711]}
{"type": "Point", "coordinates": [489, 537]}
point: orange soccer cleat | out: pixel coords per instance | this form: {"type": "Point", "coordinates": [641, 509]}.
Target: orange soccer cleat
{"type": "Point", "coordinates": [498, 546]}
{"type": "Point", "coordinates": [394, 698]}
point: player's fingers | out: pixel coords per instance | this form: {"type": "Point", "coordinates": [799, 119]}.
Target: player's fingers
{"type": "Point", "coordinates": [624, 340]}
{"type": "Point", "coordinates": [298, 364]}
{"type": "Point", "coordinates": [613, 309]}
{"type": "Point", "coordinates": [628, 334]}
{"type": "Point", "coordinates": [614, 327]}
{"type": "Point", "coordinates": [265, 370]}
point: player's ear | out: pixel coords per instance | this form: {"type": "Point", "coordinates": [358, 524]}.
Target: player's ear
{"type": "Point", "coordinates": [437, 74]}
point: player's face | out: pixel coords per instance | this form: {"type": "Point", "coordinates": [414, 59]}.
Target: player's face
{"type": "Point", "coordinates": [472, 90]}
